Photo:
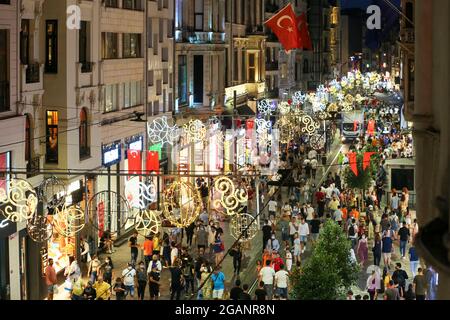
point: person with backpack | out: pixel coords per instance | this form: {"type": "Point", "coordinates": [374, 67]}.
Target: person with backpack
{"type": "Point", "coordinates": [129, 275]}
{"type": "Point", "coordinates": [400, 276]}
{"type": "Point", "coordinates": [352, 233]}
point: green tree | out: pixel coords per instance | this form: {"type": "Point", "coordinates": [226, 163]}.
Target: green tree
{"type": "Point", "coordinates": [329, 272]}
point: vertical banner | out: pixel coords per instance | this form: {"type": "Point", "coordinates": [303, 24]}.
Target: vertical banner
{"type": "Point", "coordinates": [152, 161]}
{"type": "Point", "coordinates": [134, 162]}
{"type": "Point", "coordinates": [352, 162]}
{"type": "Point", "coordinates": [366, 161]}
{"type": "Point", "coordinates": [101, 218]}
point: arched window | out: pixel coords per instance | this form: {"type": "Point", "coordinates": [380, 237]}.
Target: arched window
{"type": "Point", "coordinates": [27, 138]}
{"type": "Point", "coordinates": [83, 134]}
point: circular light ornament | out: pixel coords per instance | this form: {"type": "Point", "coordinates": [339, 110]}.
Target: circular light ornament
{"type": "Point", "coordinates": [309, 125]}
{"type": "Point", "coordinates": [231, 197]}
{"type": "Point", "coordinates": [195, 130]}
{"type": "Point", "coordinates": [18, 200]}
{"type": "Point", "coordinates": [299, 98]}
{"type": "Point", "coordinates": [264, 107]}
{"type": "Point", "coordinates": [284, 107]}
{"type": "Point", "coordinates": [243, 227]}
{"type": "Point", "coordinates": [52, 191]}
{"type": "Point", "coordinates": [139, 194]}
{"type": "Point", "coordinates": [333, 107]}
{"type": "Point", "coordinates": [263, 125]}
{"type": "Point", "coordinates": [148, 222]}
{"type": "Point", "coordinates": [159, 131]}
{"type": "Point", "coordinates": [108, 210]}
{"type": "Point", "coordinates": [182, 204]}
{"type": "Point", "coordinates": [39, 228]}
{"type": "Point", "coordinates": [68, 221]}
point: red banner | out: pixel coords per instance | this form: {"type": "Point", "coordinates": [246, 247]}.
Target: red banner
{"type": "Point", "coordinates": [134, 162]}
{"type": "Point", "coordinates": [355, 125]}
{"type": "Point", "coordinates": [152, 161]}
{"type": "Point", "coordinates": [353, 163]}
{"type": "Point", "coordinates": [303, 30]}
{"type": "Point", "coordinates": [366, 161]}
{"type": "Point", "coordinates": [249, 125]}
{"type": "Point", "coordinates": [101, 218]}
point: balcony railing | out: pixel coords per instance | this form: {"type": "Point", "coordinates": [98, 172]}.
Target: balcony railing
{"type": "Point", "coordinates": [86, 67]}
{"type": "Point", "coordinates": [4, 96]}
{"type": "Point", "coordinates": [33, 167]}
{"type": "Point", "coordinates": [32, 73]}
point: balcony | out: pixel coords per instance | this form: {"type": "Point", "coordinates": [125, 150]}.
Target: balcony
{"type": "Point", "coordinates": [200, 37]}
{"type": "Point", "coordinates": [255, 30]}
{"type": "Point", "coordinates": [33, 167]}
{"type": "Point", "coordinates": [4, 96]}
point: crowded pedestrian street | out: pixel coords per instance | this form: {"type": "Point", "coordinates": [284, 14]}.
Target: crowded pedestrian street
{"type": "Point", "coordinates": [206, 152]}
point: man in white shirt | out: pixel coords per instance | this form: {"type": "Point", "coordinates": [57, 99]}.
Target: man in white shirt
{"type": "Point", "coordinates": [281, 283]}
{"type": "Point", "coordinates": [273, 207]}
{"type": "Point", "coordinates": [312, 154]}
{"type": "Point", "coordinates": [303, 232]}
{"type": "Point", "coordinates": [267, 275]}
{"type": "Point", "coordinates": [309, 212]}
{"type": "Point", "coordinates": [129, 275]}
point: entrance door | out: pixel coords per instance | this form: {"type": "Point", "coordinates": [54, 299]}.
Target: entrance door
{"type": "Point", "coordinates": [198, 79]}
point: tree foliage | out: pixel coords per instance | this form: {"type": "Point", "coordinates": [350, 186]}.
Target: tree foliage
{"type": "Point", "coordinates": [329, 272]}
{"type": "Point", "coordinates": [365, 177]}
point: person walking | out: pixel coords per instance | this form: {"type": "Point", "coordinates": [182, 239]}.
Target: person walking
{"type": "Point", "coordinates": [50, 279]}
{"type": "Point", "coordinates": [282, 283]}
{"type": "Point", "coordinates": [376, 250]}
{"type": "Point", "coordinates": [120, 289]}
{"type": "Point", "coordinates": [352, 233]}
{"type": "Point", "coordinates": [218, 279]}
{"type": "Point", "coordinates": [260, 293]}
{"type": "Point", "coordinates": [303, 232]}
{"type": "Point", "coordinates": [129, 277]}
{"type": "Point", "coordinates": [134, 247]}
{"type": "Point", "coordinates": [362, 250]}
{"type": "Point", "coordinates": [141, 280]}
{"type": "Point", "coordinates": [107, 268]}
{"type": "Point", "coordinates": [387, 248]}
{"type": "Point", "coordinates": [236, 291]}
{"type": "Point", "coordinates": [102, 289]}
{"type": "Point", "coordinates": [404, 236]}
{"type": "Point", "coordinates": [400, 276]}
{"type": "Point", "coordinates": [413, 260]}
{"type": "Point", "coordinates": [147, 246]}
{"type": "Point", "coordinates": [89, 293]}
{"type": "Point", "coordinates": [267, 275]}
{"type": "Point", "coordinates": [154, 282]}
{"type": "Point", "coordinates": [288, 257]}
{"type": "Point", "coordinates": [293, 228]}
{"type": "Point", "coordinates": [371, 285]}
{"type": "Point", "coordinates": [237, 258]}
{"type": "Point", "coordinates": [420, 285]}
{"type": "Point", "coordinates": [177, 280]}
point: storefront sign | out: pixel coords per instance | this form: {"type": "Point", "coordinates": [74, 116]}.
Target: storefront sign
{"type": "Point", "coordinates": [134, 143]}
{"type": "Point", "coordinates": [44, 260]}
{"type": "Point", "coordinates": [111, 154]}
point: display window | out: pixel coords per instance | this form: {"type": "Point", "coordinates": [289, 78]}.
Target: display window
{"type": "Point", "coordinates": [60, 248]}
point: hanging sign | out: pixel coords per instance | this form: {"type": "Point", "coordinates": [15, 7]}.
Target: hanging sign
{"type": "Point", "coordinates": [111, 154]}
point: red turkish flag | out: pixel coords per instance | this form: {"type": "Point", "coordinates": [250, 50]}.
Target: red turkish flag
{"type": "Point", "coordinates": [303, 32]}
{"type": "Point", "coordinates": [134, 162]}
{"type": "Point", "coordinates": [352, 162]}
{"type": "Point", "coordinates": [152, 161]}
{"type": "Point", "coordinates": [284, 25]}
{"type": "Point", "coordinates": [366, 160]}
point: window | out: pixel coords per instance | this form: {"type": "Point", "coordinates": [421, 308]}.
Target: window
{"type": "Point", "coordinates": [235, 66]}
{"type": "Point", "coordinates": [155, 107]}
{"type": "Point", "coordinates": [161, 30]}
{"type": "Point", "coordinates": [252, 68]}
{"type": "Point", "coordinates": [182, 79]}
{"type": "Point", "coordinates": [83, 47]}
{"type": "Point", "coordinates": [149, 33]}
{"type": "Point", "coordinates": [132, 92]}
{"type": "Point", "coordinates": [158, 87]}
{"type": "Point", "coordinates": [51, 46]}
{"type": "Point", "coordinates": [25, 42]}
{"type": "Point", "coordinates": [5, 167]}
{"type": "Point", "coordinates": [165, 54]}
{"type": "Point", "coordinates": [409, 12]}
{"type": "Point", "coordinates": [198, 15]}
{"type": "Point", "coordinates": [111, 3]}
{"type": "Point", "coordinates": [5, 1]}
{"type": "Point", "coordinates": [151, 77]}
{"type": "Point", "coordinates": [4, 71]}
{"type": "Point", "coordinates": [83, 134]}
{"type": "Point", "coordinates": [51, 155]}
{"type": "Point", "coordinates": [169, 28]}
{"type": "Point", "coordinates": [131, 45]}
{"type": "Point", "coordinates": [132, 4]}
{"type": "Point", "coordinates": [110, 98]}
{"type": "Point", "coordinates": [109, 45]}
{"type": "Point", "coordinates": [165, 76]}
{"type": "Point", "coordinates": [27, 138]}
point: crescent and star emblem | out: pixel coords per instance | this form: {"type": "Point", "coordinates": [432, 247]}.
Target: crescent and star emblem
{"type": "Point", "coordinates": [290, 29]}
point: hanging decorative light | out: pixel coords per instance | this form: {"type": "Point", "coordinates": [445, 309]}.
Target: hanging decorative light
{"type": "Point", "coordinates": [139, 194]}
{"type": "Point", "coordinates": [231, 198]}
{"type": "Point", "coordinates": [263, 125]}
{"type": "Point", "coordinates": [159, 131]}
{"type": "Point", "coordinates": [39, 228]}
{"type": "Point", "coordinates": [195, 130]}
{"type": "Point", "coordinates": [284, 107]}
{"type": "Point", "coordinates": [52, 191]}
{"type": "Point", "coordinates": [309, 125]}
{"type": "Point", "coordinates": [317, 141]}
{"type": "Point", "coordinates": [109, 210]}
{"type": "Point", "coordinates": [299, 98]}
{"type": "Point", "coordinates": [148, 222]}
{"type": "Point", "coordinates": [265, 108]}
{"type": "Point", "coordinates": [18, 200]}
{"type": "Point", "coordinates": [182, 204]}
{"type": "Point", "coordinates": [243, 227]}
{"type": "Point", "coordinates": [68, 221]}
